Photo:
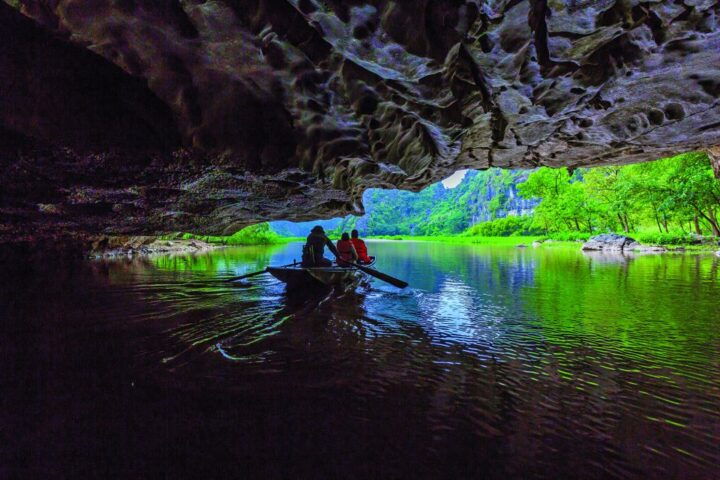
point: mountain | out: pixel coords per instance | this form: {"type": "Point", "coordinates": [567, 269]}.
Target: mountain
{"type": "Point", "coordinates": [436, 210]}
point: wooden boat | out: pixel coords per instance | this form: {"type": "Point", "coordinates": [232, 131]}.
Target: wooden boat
{"type": "Point", "coordinates": [298, 276]}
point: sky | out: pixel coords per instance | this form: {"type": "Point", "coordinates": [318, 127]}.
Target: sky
{"type": "Point", "coordinates": [454, 180]}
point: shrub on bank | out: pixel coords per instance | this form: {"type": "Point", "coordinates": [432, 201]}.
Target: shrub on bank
{"type": "Point", "coordinates": [387, 237]}
{"type": "Point", "coordinates": [674, 238]}
{"type": "Point", "coordinates": [504, 227]}
{"type": "Point", "coordinates": [570, 236]}
{"type": "Point", "coordinates": [260, 234]}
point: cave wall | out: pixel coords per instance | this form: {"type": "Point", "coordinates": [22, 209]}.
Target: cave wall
{"type": "Point", "coordinates": [128, 116]}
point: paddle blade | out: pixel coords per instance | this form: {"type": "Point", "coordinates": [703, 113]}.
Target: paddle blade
{"type": "Point", "coordinates": [383, 276]}
{"type": "Point", "coordinates": [247, 275]}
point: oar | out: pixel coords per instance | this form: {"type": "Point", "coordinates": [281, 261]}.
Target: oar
{"type": "Point", "coordinates": [248, 275]}
{"type": "Point", "coordinates": [382, 276]}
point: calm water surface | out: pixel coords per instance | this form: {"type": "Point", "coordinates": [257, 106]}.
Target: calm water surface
{"type": "Point", "coordinates": [495, 363]}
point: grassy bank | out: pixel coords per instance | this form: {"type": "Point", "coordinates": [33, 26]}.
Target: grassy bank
{"type": "Point", "coordinates": [644, 233]}
{"type": "Point", "coordinates": [260, 234]}
{"type": "Point", "coordinates": [502, 241]}
{"type": "Point", "coordinates": [556, 240]}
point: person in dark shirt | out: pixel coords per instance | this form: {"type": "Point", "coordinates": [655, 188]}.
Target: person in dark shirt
{"type": "Point", "coordinates": [360, 248]}
{"type": "Point", "coordinates": [314, 249]}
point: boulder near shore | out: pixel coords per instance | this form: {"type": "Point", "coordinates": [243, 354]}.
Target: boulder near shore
{"type": "Point", "coordinates": [612, 242]}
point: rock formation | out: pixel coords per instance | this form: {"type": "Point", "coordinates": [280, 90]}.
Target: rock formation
{"type": "Point", "coordinates": [611, 242]}
{"type": "Point", "coordinates": [127, 116]}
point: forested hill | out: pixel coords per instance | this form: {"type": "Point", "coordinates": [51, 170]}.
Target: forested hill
{"type": "Point", "coordinates": [480, 196]}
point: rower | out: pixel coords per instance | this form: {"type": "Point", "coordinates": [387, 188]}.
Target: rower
{"type": "Point", "coordinates": [314, 249]}
{"type": "Point", "coordinates": [360, 248]}
{"type": "Point", "coordinates": [346, 251]}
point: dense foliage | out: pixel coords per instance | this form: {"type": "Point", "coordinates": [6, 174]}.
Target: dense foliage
{"type": "Point", "coordinates": [673, 197]}
{"type": "Point", "coordinates": [438, 210]}
{"type": "Point", "coordinates": [503, 227]}
{"type": "Point", "coordinates": [260, 234]}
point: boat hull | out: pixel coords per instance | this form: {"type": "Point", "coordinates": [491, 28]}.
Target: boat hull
{"type": "Point", "coordinates": [299, 277]}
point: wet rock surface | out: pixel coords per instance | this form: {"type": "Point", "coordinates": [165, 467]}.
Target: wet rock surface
{"type": "Point", "coordinates": [150, 117]}
{"type": "Point", "coordinates": [107, 247]}
{"type": "Point", "coordinates": [611, 242]}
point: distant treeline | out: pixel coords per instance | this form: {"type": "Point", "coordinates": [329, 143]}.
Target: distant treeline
{"type": "Point", "coordinates": [669, 196]}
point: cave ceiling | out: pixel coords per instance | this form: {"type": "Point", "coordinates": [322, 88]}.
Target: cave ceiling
{"type": "Point", "coordinates": [130, 116]}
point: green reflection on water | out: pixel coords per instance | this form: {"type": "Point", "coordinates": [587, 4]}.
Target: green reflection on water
{"type": "Point", "coordinates": [658, 305]}
{"type": "Point", "coordinates": [658, 308]}
{"type": "Point", "coordinates": [225, 260]}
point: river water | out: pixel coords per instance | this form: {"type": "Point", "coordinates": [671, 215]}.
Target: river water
{"type": "Point", "coordinates": [495, 363]}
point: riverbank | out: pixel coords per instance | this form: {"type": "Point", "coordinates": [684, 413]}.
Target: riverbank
{"type": "Point", "coordinates": [545, 241]}
{"type": "Point", "coordinates": [502, 241]}
{"type": "Point", "coordinates": [260, 234]}
{"type": "Point", "coordinates": [112, 247]}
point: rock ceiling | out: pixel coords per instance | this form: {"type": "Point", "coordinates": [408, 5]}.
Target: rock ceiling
{"type": "Point", "coordinates": [131, 116]}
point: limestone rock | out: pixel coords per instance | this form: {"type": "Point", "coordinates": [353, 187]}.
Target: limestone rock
{"type": "Point", "coordinates": [147, 117]}
{"type": "Point", "coordinates": [611, 242]}
{"type": "Point", "coordinates": [110, 247]}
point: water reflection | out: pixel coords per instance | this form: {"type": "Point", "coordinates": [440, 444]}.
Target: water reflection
{"type": "Point", "coordinates": [510, 363]}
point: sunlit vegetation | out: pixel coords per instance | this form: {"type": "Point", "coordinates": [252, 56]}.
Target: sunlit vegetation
{"type": "Point", "coordinates": [465, 239]}
{"type": "Point", "coordinates": [673, 201]}
{"type": "Point", "coordinates": [667, 201]}
{"type": "Point", "coordinates": [436, 210]}
{"type": "Point", "coordinates": [260, 234]}
{"type": "Point", "coordinates": [503, 227]}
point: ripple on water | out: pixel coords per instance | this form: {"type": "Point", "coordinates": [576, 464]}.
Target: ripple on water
{"type": "Point", "coordinates": [529, 364]}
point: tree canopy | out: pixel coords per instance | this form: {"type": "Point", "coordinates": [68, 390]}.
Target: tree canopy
{"type": "Point", "coordinates": [679, 193]}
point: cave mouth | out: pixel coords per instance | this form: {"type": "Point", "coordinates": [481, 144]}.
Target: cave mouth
{"type": "Point", "coordinates": [120, 119]}
{"type": "Point", "coordinates": [150, 133]}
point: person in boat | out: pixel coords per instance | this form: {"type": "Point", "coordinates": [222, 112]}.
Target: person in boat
{"type": "Point", "coordinates": [360, 248]}
{"type": "Point", "coordinates": [346, 251]}
{"type": "Point", "coordinates": [314, 249]}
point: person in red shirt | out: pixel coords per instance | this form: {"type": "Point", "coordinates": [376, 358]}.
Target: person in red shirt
{"type": "Point", "coordinates": [346, 251]}
{"type": "Point", "coordinates": [360, 248]}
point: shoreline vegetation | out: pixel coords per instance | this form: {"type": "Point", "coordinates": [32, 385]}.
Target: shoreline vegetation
{"type": "Point", "coordinates": [195, 244]}
{"type": "Point", "coordinates": [710, 244]}
{"type": "Point", "coordinates": [260, 234]}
